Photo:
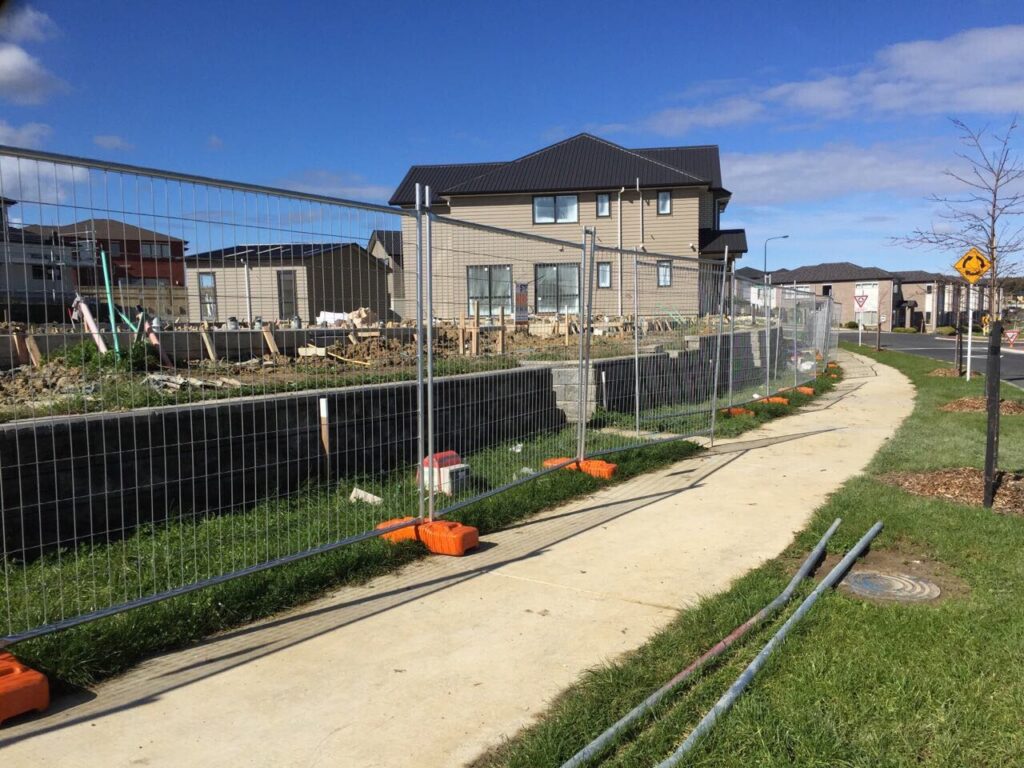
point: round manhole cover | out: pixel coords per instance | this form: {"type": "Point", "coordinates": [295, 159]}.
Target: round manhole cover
{"type": "Point", "coordinates": [891, 586]}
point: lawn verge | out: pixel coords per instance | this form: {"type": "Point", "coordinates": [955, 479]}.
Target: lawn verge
{"type": "Point", "coordinates": [857, 683]}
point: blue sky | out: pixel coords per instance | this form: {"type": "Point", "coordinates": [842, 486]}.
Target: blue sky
{"type": "Point", "coordinates": [832, 117]}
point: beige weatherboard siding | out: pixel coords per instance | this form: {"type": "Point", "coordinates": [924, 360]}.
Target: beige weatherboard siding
{"type": "Point", "coordinates": [263, 285]}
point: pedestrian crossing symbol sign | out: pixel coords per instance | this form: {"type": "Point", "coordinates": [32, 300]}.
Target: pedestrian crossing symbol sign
{"type": "Point", "coordinates": [972, 265]}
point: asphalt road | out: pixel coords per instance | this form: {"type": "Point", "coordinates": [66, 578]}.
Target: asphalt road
{"type": "Point", "coordinates": [941, 348]}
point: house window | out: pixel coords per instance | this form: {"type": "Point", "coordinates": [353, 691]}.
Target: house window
{"type": "Point", "coordinates": [557, 288]}
{"type": "Point", "coordinates": [604, 205]}
{"type": "Point", "coordinates": [207, 297]}
{"type": "Point", "coordinates": [604, 274]}
{"type": "Point", "coordinates": [556, 209]}
{"type": "Point", "coordinates": [491, 286]}
{"type": "Point", "coordinates": [928, 289]}
{"type": "Point", "coordinates": [664, 273]}
{"type": "Point", "coordinates": [287, 296]}
{"type": "Point", "coordinates": [826, 290]}
{"type": "Point", "coordinates": [664, 203]}
{"type": "Point", "coordinates": [45, 273]}
{"type": "Point", "coordinates": [156, 250]}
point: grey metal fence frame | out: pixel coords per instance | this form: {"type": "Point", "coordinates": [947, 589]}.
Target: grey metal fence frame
{"type": "Point", "coordinates": [229, 438]}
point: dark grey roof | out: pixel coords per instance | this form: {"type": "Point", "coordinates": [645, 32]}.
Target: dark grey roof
{"type": "Point", "coordinates": [749, 273]}
{"type": "Point", "coordinates": [268, 253]}
{"type": "Point", "coordinates": [836, 272]}
{"type": "Point", "coordinates": [583, 162]}
{"type": "Point", "coordinates": [438, 178]}
{"type": "Point", "coordinates": [919, 276]}
{"type": "Point", "coordinates": [715, 240]}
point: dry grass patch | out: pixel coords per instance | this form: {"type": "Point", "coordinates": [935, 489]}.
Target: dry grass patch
{"type": "Point", "coordinates": [963, 486]}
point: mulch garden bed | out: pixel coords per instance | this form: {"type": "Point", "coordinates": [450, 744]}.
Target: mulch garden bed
{"type": "Point", "coordinates": [950, 372]}
{"type": "Point", "coordinates": [977, 405]}
{"type": "Point", "coordinates": [963, 486]}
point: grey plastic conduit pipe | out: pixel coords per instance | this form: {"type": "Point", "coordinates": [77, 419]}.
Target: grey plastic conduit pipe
{"type": "Point", "coordinates": [729, 697]}
{"type": "Point", "coordinates": [594, 748]}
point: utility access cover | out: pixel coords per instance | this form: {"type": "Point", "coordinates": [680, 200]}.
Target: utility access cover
{"type": "Point", "coordinates": [891, 586]}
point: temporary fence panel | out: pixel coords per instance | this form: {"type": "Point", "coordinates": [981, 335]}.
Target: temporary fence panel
{"type": "Point", "coordinates": [202, 379]}
{"type": "Point", "coordinates": [749, 343]}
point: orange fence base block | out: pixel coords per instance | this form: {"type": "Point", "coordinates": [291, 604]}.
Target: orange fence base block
{"type": "Point", "coordinates": [22, 689]}
{"type": "Point", "coordinates": [446, 537]}
{"type": "Point", "coordinates": [777, 400]}
{"type": "Point", "coordinates": [736, 411]}
{"type": "Point", "coordinates": [549, 463]}
{"type": "Point", "coordinates": [409, 533]}
{"type": "Point", "coordinates": [599, 468]}
{"type": "Point", "coordinates": [805, 390]}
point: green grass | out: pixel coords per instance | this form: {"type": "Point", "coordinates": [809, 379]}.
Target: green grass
{"type": "Point", "coordinates": [157, 558]}
{"type": "Point", "coordinates": [856, 684]}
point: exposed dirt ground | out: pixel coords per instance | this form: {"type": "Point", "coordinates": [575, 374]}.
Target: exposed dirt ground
{"type": "Point", "coordinates": [27, 385]}
{"type": "Point", "coordinates": [904, 562]}
{"type": "Point", "coordinates": [963, 486]}
{"type": "Point", "coordinates": [978, 405]}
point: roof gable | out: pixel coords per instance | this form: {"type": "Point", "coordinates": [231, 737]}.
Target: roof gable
{"type": "Point", "coordinates": [838, 272]}
{"type": "Point", "coordinates": [582, 162]}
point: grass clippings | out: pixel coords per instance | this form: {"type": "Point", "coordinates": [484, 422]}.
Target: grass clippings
{"type": "Point", "coordinates": [962, 485]}
{"type": "Point", "coordinates": [980, 405]}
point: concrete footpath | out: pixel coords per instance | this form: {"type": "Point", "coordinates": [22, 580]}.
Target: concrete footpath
{"type": "Point", "coordinates": [432, 665]}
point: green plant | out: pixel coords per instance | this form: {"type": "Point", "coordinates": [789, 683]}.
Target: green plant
{"type": "Point", "coordinates": [945, 330]}
{"type": "Point", "coordinates": [851, 324]}
{"type": "Point", "coordinates": [904, 330]}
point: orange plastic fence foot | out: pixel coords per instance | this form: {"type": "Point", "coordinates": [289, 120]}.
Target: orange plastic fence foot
{"type": "Point", "coordinates": [778, 400]}
{"type": "Point", "coordinates": [446, 537]}
{"type": "Point", "coordinates": [598, 468]}
{"type": "Point", "coordinates": [409, 533]}
{"type": "Point", "coordinates": [549, 463]}
{"type": "Point", "coordinates": [805, 390]}
{"type": "Point", "coordinates": [736, 411]}
{"type": "Point", "coordinates": [22, 689]}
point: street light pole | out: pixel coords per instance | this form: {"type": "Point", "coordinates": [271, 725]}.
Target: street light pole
{"type": "Point", "coordinates": [768, 319]}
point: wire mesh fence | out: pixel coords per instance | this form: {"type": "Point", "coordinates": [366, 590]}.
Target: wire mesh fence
{"type": "Point", "coordinates": [204, 379]}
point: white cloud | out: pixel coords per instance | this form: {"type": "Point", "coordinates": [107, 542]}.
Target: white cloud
{"type": "Point", "coordinates": [978, 71]}
{"type": "Point", "coordinates": [23, 80]}
{"type": "Point", "coordinates": [213, 141]}
{"type": "Point", "coordinates": [25, 23]}
{"type": "Point", "coordinates": [832, 171]}
{"type": "Point", "coordinates": [347, 185]}
{"type": "Point", "coordinates": [29, 135]}
{"type": "Point", "coordinates": [111, 141]}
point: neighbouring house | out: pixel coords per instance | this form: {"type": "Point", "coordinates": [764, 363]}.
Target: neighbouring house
{"type": "Point", "coordinates": [924, 300]}
{"type": "Point", "coordinates": [36, 273]}
{"type": "Point", "coordinates": [385, 245]}
{"type": "Point", "coordinates": [147, 267]}
{"type": "Point", "coordinates": [661, 201]}
{"type": "Point", "coordinates": [282, 281]}
{"type": "Point", "coordinates": [844, 282]}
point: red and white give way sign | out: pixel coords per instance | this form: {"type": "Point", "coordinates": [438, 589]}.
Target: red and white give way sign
{"type": "Point", "coordinates": [1011, 336]}
{"type": "Point", "coordinates": [861, 300]}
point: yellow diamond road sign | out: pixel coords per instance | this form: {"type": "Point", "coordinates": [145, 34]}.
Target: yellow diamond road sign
{"type": "Point", "coordinates": [972, 265]}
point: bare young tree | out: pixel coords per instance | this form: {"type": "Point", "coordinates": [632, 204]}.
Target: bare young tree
{"type": "Point", "coordinates": [984, 215]}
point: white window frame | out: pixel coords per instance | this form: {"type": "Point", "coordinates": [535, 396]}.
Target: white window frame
{"type": "Point", "coordinates": [666, 196]}
{"type": "Point", "coordinates": [604, 274]}
{"type": "Point", "coordinates": [490, 305]}
{"type": "Point", "coordinates": [664, 273]}
{"type": "Point", "coordinates": [606, 198]}
{"type": "Point", "coordinates": [554, 203]}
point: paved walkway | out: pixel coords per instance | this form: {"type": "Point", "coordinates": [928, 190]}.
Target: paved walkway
{"type": "Point", "coordinates": [432, 665]}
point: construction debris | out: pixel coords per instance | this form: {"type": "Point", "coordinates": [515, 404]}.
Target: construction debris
{"type": "Point", "coordinates": [166, 381]}
{"type": "Point", "coordinates": [358, 494]}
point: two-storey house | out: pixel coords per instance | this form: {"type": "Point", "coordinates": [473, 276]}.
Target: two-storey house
{"type": "Point", "coordinates": [661, 202]}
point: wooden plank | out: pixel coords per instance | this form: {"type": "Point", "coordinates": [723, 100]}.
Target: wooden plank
{"type": "Point", "coordinates": [312, 351]}
{"type": "Point", "coordinates": [33, 351]}
{"type": "Point", "coordinates": [475, 341]}
{"type": "Point", "coordinates": [208, 343]}
{"type": "Point", "coordinates": [336, 356]}
{"type": "Point", "coordinates": [20, 350]}
{"type": "Point", "coordinates": [268, 336]}
{"type": "Point", "coordinates": [501, 330]}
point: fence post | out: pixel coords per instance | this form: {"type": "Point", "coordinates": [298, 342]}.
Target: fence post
{"type": "Point", "coordinates": [430, 356]}
{"type": "Point", "coordinates": [992, 402]}
{"type": "Point", "coordinates": [796, 330]}
{"type": "Point", "coordinates": [718, 342]}
{"type": "Point", "coordinates": [828, 334]}
{"type": "Point", "coordinates": [636, 338]}
{"type": "Point", "coordinates": [584, 367]}
{"type": "Point", "coordinates": [420, 431]}
{"type": "Point", "coordinates": [732, 328]}
{"type": "Point", "coordinates": [767, 335]}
